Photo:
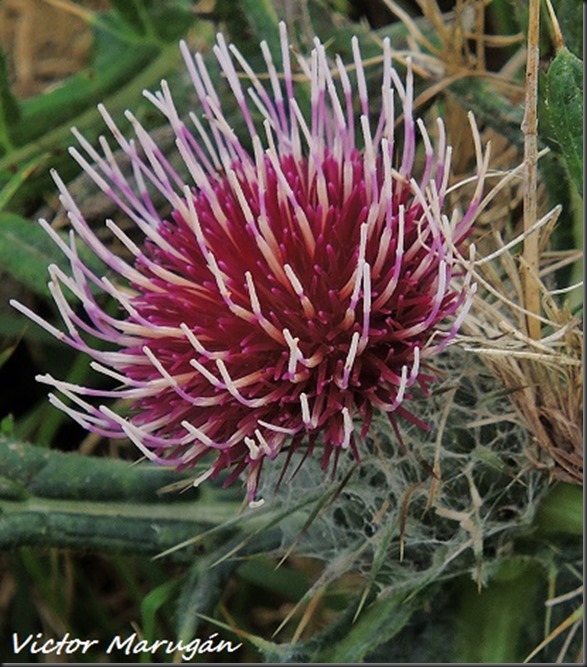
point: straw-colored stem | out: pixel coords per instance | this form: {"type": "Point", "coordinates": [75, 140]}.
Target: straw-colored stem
{"type": "Point", "coordinates": [557, 34]}
{"type": "Point", "coordinates": [529, 128]}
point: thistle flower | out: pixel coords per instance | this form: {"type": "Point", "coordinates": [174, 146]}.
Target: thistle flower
{"type": "Point", "coordinates": [298, 284]}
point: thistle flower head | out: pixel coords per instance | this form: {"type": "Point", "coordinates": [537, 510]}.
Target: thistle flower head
{"type": "Point", "coordinates": [303, 279]}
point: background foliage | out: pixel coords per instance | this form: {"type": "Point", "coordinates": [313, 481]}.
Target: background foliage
{"type": "Point", "coordinates": [380, 564]}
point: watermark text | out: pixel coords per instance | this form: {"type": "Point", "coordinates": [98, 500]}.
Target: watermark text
{"type": "Point", "coordinates": [133, 644]}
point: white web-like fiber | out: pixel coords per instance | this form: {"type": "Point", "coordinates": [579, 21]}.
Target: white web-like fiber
{"type": "Point", "coordinates": [394, 509]}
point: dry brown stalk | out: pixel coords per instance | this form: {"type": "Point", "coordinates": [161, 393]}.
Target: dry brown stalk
{"type": "Point", "coordinates": [544, 377]}
{"type": "Point", "coordinates": [530, 130]}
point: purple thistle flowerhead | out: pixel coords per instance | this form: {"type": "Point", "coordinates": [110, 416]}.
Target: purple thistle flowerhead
{"type": "Point", "coordinates": [296, 286]}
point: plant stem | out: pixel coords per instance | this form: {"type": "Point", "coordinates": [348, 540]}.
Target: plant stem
{"type": "Point", "coordinates": [529, 128]}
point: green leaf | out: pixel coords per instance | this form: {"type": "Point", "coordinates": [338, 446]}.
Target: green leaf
{"type": "Point", "coordinates": [384, 537]}
{"type": "Point", "coordinates": [376, 625]}
{"type": "Point", "coordinates": [134, 14]}
{"type": "Point", "coordinates": [6, 423]}
{"type": "Point", "coordinates": [492, 621]}
{"type": "Point", "coordinates": [208, 577]}
{"type": "Point", "coordinates": [8, 102]}
{"type": "Point", "coordinates": [278, 652]}
{"type": "Point", "coordinates": [151, 604]}
{"type": "Point", "coordinates": [26, 251]}
{"type": "Point", "coordinates": [13, 325]}
{"type": "Point", "coordinates": [171, 20]}
{"type": "Point", "coordinates": [561, 511]}
{"type": "Point", "coordinates": [284, 581]}
{"type": "Point", "coordinates": [16, 181]}
{"type": "Point", "coordinates": [262, 18]}
{"type": "Point", "coordinates": [153, 20]}
{"type": "Point", "coordinates": [201, 592]}
{"type": "Point", "coordinates": [570, 17]}
{"type": "Point", "coordinates": [565, 108]}
{"type": "Point", "coordinates": [74, 501]}
{"type": "Point", "coordinates": [88, 122]}
{"type": "Point", "coordinates": [79, 93]}
{"type": "Point", "coordinates": [9, 107]}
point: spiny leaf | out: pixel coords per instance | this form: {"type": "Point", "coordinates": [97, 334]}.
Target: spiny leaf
{"type": "Point", "coordinates": [378, 624]}
{"type": "Point", "coordinates": [260, 643]}
{"type": "Point", "coordinates": [208, 577]}
{"type": "Point", "coordinates": [385, 536]}
{"type": "Point", "coordinates": [565, 105]}
{"type": "Point", "coordinates": [73, 501]}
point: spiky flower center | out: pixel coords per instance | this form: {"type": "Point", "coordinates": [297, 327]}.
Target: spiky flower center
{"type": "Point", "coordinates": [299, 314]}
